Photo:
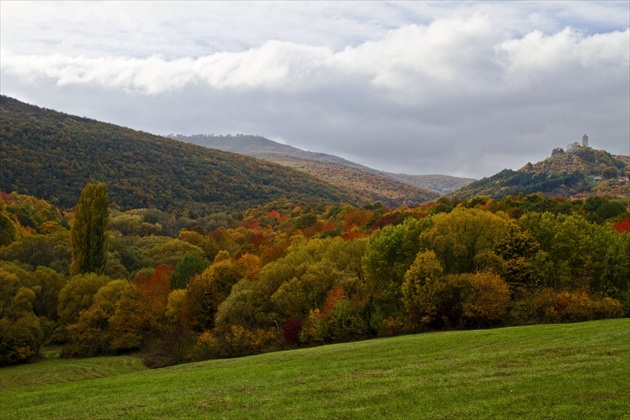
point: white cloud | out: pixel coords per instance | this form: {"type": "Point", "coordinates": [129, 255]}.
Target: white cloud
{"type": "Point", "coordinates": [568, 48]}
{"type": "Point", "coordinates": [275, 64]}
{"type": "Point", "coordinates": [453, 54]}
{"type": "Point", "coordinates": [463, 56]}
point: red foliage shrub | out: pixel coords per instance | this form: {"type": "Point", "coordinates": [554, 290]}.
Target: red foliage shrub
{"type": "Point", "coordinates": [356, 218]}
{"type": "Point", "coordinates": [251, 224]}
{"type": "Point", "coordinates": [154, 289]}
{"type": "Point", "coordinates": [291, 332]}
{"type": "Point", "coordinates": [334, 296]}
{"type": "Point", "coordinates": [394, 218]}
{"type": "Point", "coordinates": [622, 226]}
{"type": "Point", "coordinates": [311, 231]}
{"type": "Point", "coordinates": [257, 239]}
{"type": "Point", "coordinates": [275, 214]}
{"type": "Point", "coordinates": [6, 197]}
{"type": "Point", "coordinates": [351, 236]}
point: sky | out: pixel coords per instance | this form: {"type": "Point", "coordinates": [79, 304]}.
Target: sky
{"type": "Point", "coordinates": [454, 88]}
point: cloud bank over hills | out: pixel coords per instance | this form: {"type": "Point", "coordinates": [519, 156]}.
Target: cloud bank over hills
{"type": "Point", "coordinates": [464, 89]}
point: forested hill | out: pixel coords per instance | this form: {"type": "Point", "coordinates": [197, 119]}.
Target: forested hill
{"type": "Point", "coordinates": [53, 155]}
{"type": "Point", "coordinates": [390, 189]}
{"type": "Point", "coordinates": [580, 172]}
{"type": "Point", "coordinates": [263, 148]}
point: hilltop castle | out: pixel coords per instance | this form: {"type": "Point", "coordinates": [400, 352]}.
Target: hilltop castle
{"type": "Point", "coordinates": [576, 144]}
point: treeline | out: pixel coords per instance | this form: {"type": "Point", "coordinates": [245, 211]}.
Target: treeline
{"type": "Point", "coordinates": [177, 288]}
{"type": "Point", "coordinates": [140, 169]}
{"type": "Point", "coordinates": [508, 182]}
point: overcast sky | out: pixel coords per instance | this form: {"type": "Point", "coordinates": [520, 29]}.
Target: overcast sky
{"type": "Point", "coordinates": [457, 88]}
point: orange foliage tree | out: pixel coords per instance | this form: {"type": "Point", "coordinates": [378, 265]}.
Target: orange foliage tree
{"type": "Point", "coordinates": [622, 226]}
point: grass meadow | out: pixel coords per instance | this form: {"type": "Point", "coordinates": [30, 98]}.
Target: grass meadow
{"type": "Point", "coordinates": [561, 371]}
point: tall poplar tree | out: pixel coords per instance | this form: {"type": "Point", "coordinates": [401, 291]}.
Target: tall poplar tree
{"type": "Point", "coordinates": [89, 240]}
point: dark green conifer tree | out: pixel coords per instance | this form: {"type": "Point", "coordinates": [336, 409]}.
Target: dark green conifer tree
{"type": "Point", "coordinates": [89, 239]}
{"type": "Point", "coordinates": [189, 266]}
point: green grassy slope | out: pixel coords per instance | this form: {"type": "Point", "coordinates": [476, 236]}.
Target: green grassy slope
{"type": "Point", "coordinates": [565, 371]}
{"type": "Point", "coordinates": [52, 155]}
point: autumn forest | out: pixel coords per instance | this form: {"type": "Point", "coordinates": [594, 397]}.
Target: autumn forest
{"type": "Point", "coordinates": [114, 241]}
{"type": "Point", "coordinates": [287, 274]}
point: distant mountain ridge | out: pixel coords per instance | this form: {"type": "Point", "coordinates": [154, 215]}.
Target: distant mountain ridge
{"type": "Point", "coordinates": [330, 167]}
{"type": "Point", "coordinates": [258, 146]}
{"type": "Point", "coordinates": [579, 172]}
{"type": "Point", "coordinates": [53, 155]}
{"type": "Point", "coordinates": [443, 184]}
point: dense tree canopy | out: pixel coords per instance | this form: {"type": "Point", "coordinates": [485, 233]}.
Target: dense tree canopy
{"type": "Point", "coordinates": [20, 329]}
{"type": "Point", "coordinates": [141, 170]}
{"type": "Point", "coordinates": [289, 274]}
{"type": "Point", "coordinates": [461, 237]}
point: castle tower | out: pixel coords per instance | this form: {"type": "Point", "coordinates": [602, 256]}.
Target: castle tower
{"type": "Point", "coordinates": [585, 141]}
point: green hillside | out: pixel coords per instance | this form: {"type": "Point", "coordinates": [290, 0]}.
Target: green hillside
{"type": "Point", "coordinates": [580, 172]}
{"type": "Point", "coordinates": [566, 371]}
{"type": "Point", "coordinates": [375, 185]}
{"type": "Point", "coordinates": [52, 155]}
{"type": "Point", "coordinates": [262, 148]}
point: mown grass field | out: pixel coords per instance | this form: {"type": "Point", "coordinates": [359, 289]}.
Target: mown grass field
{"type": "Point", "coordinates": [570, 371]}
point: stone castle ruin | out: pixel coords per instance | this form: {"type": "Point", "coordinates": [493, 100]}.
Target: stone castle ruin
{"type": "Point", "coordinates": [576, 145]}
{"type": "Point", "coordinates": [572, 146]}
